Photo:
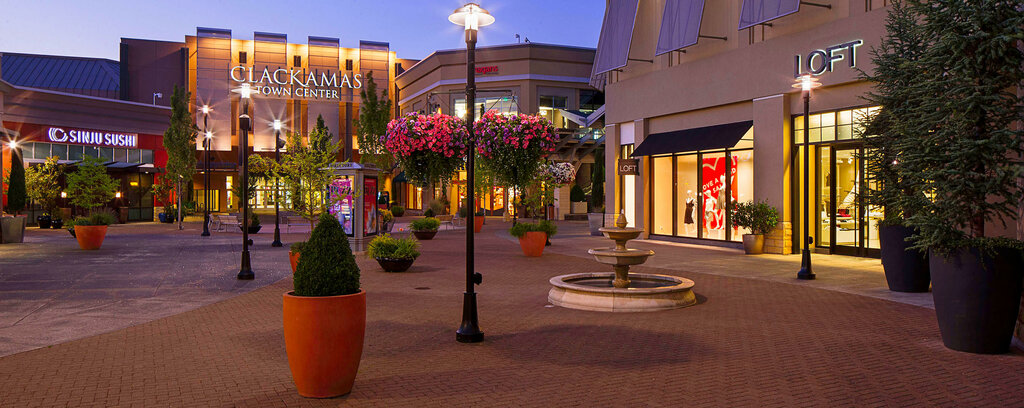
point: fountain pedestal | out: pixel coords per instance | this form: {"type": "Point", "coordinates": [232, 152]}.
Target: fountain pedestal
{"type": "Point", "coordinates": [621, 291]}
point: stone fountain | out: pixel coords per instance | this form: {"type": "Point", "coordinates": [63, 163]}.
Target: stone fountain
{"type": "Point", "coordinates": [621, 291]}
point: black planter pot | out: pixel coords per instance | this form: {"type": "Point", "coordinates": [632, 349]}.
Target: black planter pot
{"type": "Point", "coordinates": [57, 223]}
{"type": "Point", "coordinates": [44, 221]}
{"type": "Point", "coordinates": [395, 265]}
{"type": "Point", "coordinates": [166, 218]}
{"type": "Point", "coordinates": [424, 235]}
{"type": "Point", "coordinates": [905, 270]}
{"type": "Point", "coordinates": [252, 229]}
{"type": "Point", "coordinates": [72, 232]}
{"type": "Point", "coordinates": [977, 297]}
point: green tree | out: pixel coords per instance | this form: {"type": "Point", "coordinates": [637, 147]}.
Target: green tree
{"type": "Point", "coordinates": [374, 114]}
{"type": "Point", "coordinates": [892, 129]}
{"type": "Point", "coordinates": [16, 196]}
{"type": "Point", "coordinates": [597, 182]}
{"type": "Point", "coordinates": [327, 266]}
{"type": "Point", "coordinates": [89, 186]}
{"type": "Point", "coordinates": [305, 170]}
{"type": "Point", "coordinates": [180, 143]}
{"type": "Point", "coordinates": [42, 184]}
{"type": "Point", "coordinates": [969, 155]}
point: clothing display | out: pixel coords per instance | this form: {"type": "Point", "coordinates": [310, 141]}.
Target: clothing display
{"type": "Point", "coordinates": [688, 217]}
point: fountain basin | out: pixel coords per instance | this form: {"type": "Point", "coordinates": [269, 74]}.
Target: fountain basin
{"type": "Point", "coordinates": [647, 292]}
{"type": "Point", "coordinates": [628, 256]}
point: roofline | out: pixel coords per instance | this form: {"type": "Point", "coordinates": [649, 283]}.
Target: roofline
{"type": "Point", "coordinates": [74, 95]}
{"type": "Point", "coordinates": [152, 40]}
{"type": "Point", "coordinates": [493, 47]}
{"type": "Point", "coordinates": [59, 56]}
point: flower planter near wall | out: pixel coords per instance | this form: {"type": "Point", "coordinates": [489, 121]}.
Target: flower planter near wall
{"type": "Point", "coordinates": [977, 297]}
{"type": "Point", "coordinates": [753, 244]}
{"type": "Point", "coordinates": [90, 237]}
{"type": "Point", "coordinates": [323, 337]}
{"type": "Point", "coordinates": [533, 243]}
{"type": "Point", "coordinates": [905, 270]}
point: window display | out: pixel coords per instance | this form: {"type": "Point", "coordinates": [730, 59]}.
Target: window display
{"type": "Point", "coordinates": [342, 202]}
{"type": "Point", "coordinates": [687, 205]}
{"type": "Point", "coordinates": [369, 206]}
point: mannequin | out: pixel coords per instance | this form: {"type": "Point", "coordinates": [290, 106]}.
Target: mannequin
{"type": "Point", "coordinates": [688, 224]}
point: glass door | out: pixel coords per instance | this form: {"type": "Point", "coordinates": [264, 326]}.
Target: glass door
{"type": "Point", "coordinates": [853, 223]}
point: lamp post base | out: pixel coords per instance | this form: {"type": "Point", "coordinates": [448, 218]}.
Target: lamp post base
{"type": "Point", "coordinates": [277, 238]}
{"type": "Point", "coordinates": [469, 331]}
{"type": "Point", "coordinates": [245, 273]}
{"type": "Point", "coordinates": [206, 226]}
{"type": "Point", "coordinates": [805, 266]}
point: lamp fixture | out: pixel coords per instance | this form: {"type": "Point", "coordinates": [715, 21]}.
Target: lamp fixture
{"type": "Point", "coordinates": [277, 124]}
{"type": "Point", "coordinates": [245, 91]}
{"type": "Point", "coordinates": [806, 82]}
{"type": "Point", "coordinates": [471, 16]}
{"type": "Point", "coordinates": [206, 109]}
{"type": "Point", "coordinates": [209, 134]}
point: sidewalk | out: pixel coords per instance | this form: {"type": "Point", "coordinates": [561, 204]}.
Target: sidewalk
{"type": "Point", "coordinates": [749, 342]}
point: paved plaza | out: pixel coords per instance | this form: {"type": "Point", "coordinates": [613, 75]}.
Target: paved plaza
{"type": "Point", "coordinates": [156, 318]}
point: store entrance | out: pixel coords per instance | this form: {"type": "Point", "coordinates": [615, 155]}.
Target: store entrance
{"type": "Point", "coordinates": [847, 224]}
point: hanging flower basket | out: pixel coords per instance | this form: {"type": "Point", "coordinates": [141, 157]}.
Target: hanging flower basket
{"type": "Point", "coordinates": [512, 146]}
{"type": "Point", "coordinates": [427, 147]}
{"type": "Point", "coordinates": [558, 174]}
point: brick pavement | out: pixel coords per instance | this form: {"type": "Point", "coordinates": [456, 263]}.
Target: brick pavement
{"type": "Point", "coordinates": [750, 342]}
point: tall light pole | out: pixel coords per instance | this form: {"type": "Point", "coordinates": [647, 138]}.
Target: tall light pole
{"type": "Point", "coordinates": [806, 83]}
{"type": "Point", "coordinates": [472, 17]}
{"type": "Point", "coordinates": [245, 124]}
{"type": "Point", "coordinates": [206, 172]}
{"type": "Point", "coordinates": [277, 191]}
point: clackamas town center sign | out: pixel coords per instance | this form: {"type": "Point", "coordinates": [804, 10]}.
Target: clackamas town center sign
{"type": "Point", "coordinates": [295, 83]}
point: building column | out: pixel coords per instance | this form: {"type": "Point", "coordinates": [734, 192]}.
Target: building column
{"type": "Point", "coordinates": [611, 179]}
{"type": "Point", "coordinates": [643, 185]}
{"type": "Point", "coordinates": [772, 172]}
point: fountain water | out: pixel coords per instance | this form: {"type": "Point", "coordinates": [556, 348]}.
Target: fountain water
{"type": "Point", "coordinates": [621, 291]}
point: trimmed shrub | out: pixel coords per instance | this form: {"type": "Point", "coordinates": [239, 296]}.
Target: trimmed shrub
{"type": "Point", "coordinates": [297, 247]}
{"type": "Point", "coordinates": [576, 194]}
{"type": "Point", "coordinates": [425, 224]}
{"type": "Point", "coordinates": [548, 227]}
{"type": "Point", "coordinates": [327, 267]}
{"type": "Point", "coordinates": [760, 217]}
{"type": "Point", "coordinates": [398, 210]}
{"type": "Point", "coordinates": [387, 247]}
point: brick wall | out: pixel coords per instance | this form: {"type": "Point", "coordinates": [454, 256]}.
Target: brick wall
{"type": "Point", "coordinates": [780, 240]}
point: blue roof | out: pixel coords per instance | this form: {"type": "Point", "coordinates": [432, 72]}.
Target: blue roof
{"type": "Point", "coordinates": [60, 72]}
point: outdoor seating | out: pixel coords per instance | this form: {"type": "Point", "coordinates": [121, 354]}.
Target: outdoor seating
{"type": "Point", "coordinates": [227, 220]}
{"type": "Point", "coordinates": [446, 219]}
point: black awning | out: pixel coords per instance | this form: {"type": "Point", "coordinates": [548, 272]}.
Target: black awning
{"type": "Point", "coordinates": [691, 140]}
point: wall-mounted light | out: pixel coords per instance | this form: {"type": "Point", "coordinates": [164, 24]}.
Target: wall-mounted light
{"type": "Point", "coordinates": [117, 194]}
{"type": "Point", "coordinates": [12, 145]}
{"type": "Point", "coordinates": [133, 183]}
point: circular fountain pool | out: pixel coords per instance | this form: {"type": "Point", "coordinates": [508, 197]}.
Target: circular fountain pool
{"type": "Point", "coordinates": [646, 292]}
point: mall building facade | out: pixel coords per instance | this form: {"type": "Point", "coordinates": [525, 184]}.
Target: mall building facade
{"type": "Point", "coordinates": [529, 78]}
{"type": "Point", "coordinates": [700, 94]}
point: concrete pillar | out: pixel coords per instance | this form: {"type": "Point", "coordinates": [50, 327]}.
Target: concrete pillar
{"type": "Point", "coordinates": [643, 186]}
{"type": "Point", "coordinates": [611, 184]}
{"type": "Point", "coordinates": [772, 172]}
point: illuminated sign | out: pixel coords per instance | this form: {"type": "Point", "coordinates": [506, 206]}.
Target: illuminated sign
{"type": "Point", "coordinates": [92, 137]}
{"type": "Point", "coordinates": [295, 83]}
{"type": "Point", "coordinates": [628, 167]}
{"type": "Point", "coordinates": [492, 69]}
{"type": "Point", "coordinates": [818, 62]}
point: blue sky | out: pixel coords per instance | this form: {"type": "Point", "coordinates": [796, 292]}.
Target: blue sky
{"type": "Point", "coordinates": [93, 28]}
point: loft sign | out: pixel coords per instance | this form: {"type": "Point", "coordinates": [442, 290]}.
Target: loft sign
{"type": "Point", "coordinates": [92, 137]}
{"type": "Point", "coordinates": [628, 167]}
{"type": "Point", "coordinates": [818, 62]}
{"type": "Point", "coordinates": [295, 82]}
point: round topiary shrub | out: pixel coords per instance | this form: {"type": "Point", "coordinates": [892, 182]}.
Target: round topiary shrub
{"type": "Point", "coordinates": [327, 266]}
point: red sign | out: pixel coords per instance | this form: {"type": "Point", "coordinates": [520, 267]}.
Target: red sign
{"type": "Point", "coordinates": [369, 206]}
{"type": "Point", "coordinates": [713, 191]}
{"type": "Point", "coordinates": [492, 69]}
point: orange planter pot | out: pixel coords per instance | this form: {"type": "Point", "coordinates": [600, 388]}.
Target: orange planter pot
{"type": "Point", "coordinates": [324, 340]}
{"type": "Point", "coordinates": [90, 236]}
{"type": "Point", "coordinates": [533, 243]}
{"type": "Point", "coordinates": [293, 258]}
{"type": "Point", "coordinates": [478, 223]}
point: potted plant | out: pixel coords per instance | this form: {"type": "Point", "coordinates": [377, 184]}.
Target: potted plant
{"type": "Point", "coordinates": [12, 229]}
{"type": "Point", "coordinates": [478, 220]}
{"type": "Point", "coordinates": [43, 221]}
{"type": "Point", "coordinates": [393, 254]}
{"type": "Point", "coordinates": [56, 223]}
{"type": "Point", "coordinates": [71, 227]}
{"type": "Point", "coordinates": [325, 315]}
{"type": "Point", "coordinates": [397, 210]}
{"type": "Point", "coordinates": [760, 218]}
{"type": "Point", "coordinates": [90, 187]}
{"type": "Point", "coordinates": [425, 228]}
{"type": "Point", "coordinates": [294, 253]}
{"type": "Point", "coordinates": [254, 223]}
{"type": "Point", "coordinates": [967, 149]}
{"type": "Point", "coordinates": [595, 219]}
{"type": "Point", "coordinates": [533, 236]}
{"type": "Point", "coordinates": [162, 193]}
{"type": "Point", "coordinates": [578, 199]}
{"type": "Point", "coordinates": [388, 219]}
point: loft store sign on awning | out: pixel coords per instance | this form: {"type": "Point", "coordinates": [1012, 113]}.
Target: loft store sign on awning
{"type": "Point", "coordinates": [295, 83]}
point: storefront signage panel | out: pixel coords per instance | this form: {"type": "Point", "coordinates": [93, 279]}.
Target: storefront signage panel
{"type": "Point", "coordinates": [628, 167]}
{"type": "Point", "coordinates": [92, 137]}
{"type": "Point", "coordinates": [818, 62]}
{"type": "Point", "coordinates": [295, 83]}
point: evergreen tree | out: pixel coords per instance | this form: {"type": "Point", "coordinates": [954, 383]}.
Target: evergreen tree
{"type": "Point", "coordinates": [16, 196]}
{"type": "Point", "coordinates": [597, 182]}
{"type": "Point", "coordinates": [969, 154]}
{"type": "Point", "coordinates": [892, 129]}
{"type": "Point", "coordinates": [180, 143]}
{"type": "Point", "coordinates": [374, 114]}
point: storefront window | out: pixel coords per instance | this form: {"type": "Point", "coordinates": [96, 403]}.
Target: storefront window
{"type": "Point", "coordinates": [687, 205]}
{"type": "Point", "coordinates": [713, 195]}
{"type": "Point", "coordinates": [501, 104]}
{"type": "Point", "coordinates": [661, 171]}
{"type": "Point", "coordinates": [42, 151]}
{"type": "Point", "coordinates": [742, 184]}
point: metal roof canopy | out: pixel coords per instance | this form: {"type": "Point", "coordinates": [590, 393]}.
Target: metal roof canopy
{"type": "Point", "coordinates": [691, 140]}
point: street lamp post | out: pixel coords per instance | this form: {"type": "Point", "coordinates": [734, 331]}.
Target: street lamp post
{"type": "Point", "coordinates": [245, 124]}
{"type": "Point", "coordinates": [472, 17]}
{"type": "Point", "coordinates": [806, 83]}
{"type": "Point", "coordinates": [206, 172]}
{"type": "Point", "coordinates": [277, 193]}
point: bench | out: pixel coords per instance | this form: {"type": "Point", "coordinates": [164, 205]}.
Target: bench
{"type": "Point", "coordinates": [290, 220]}
{"type": "Point", "coordinates": [446, 219]}
{"type": "Point", "coordinates": [220, 220]}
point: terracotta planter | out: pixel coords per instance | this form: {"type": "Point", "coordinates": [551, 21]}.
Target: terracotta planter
{"type": "Point", "coordinates": [323, 337]}
{"type": "Point", "coordinates": [424, 235]}
{"type": "Point", "coordinates": [293, 258]}
{"type": "Point", "coordinates": [90, 236]}
{"type": "Point", "coordinates": [753, 244]}
{"type": "Point", "coordinates": [478, 223]}
{"type": "Point", "coordinates": [394, 265]}
{"type": "Point", "coordinates": [533, 243]}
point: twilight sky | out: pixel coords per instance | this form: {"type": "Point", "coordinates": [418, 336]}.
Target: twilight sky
{"type": "Point", "coordinates": [93, 28]}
